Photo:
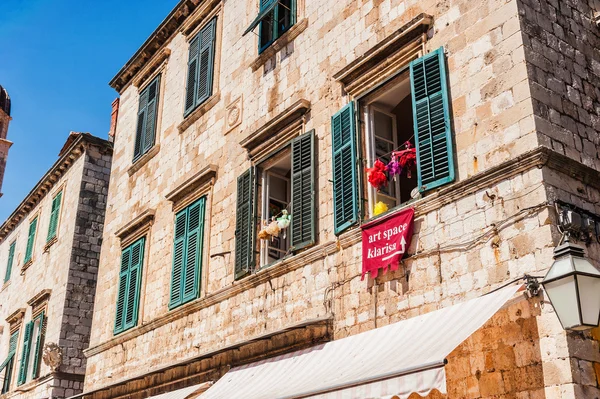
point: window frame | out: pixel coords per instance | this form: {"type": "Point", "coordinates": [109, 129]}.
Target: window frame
{"type": "Point", "coordinates": [9, 367]}
{"type": "Point", "coordinates": [121, 326]}
{"type": "Point", "coordinates": [54, 234]}
{"type": "Point", "coordinates": [12, 249]}
{"type": "Point", "coordinates": [156, 79]}
{"type": "Point", "coordinates": [275, 28]}
{"type": "Point", "coordinates": [30, 247]}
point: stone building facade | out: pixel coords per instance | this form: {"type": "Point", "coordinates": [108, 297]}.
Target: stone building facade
{"type": "Point", "coordinates": [49, 253]}
{"type": "Point", "coordinates": [203, 155]}
{"type": "Point", "coordinates": [5, 144]}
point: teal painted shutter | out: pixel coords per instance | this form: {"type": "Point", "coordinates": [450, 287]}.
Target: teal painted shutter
{"type": "Point", "coordinates": [37, 356]}
{"type": "Point", "coordinates": [133, 285]}
{"type": "Point", "coordinates": [25, 356]}
{"type": "Point", "coordinates": [191, 277]}
{"type": "Point", "coordinates": [30, 240]}
{"type": "Point", "coordinates": [9, 362]}
{"type": "Point", "coordinates": [303, 191]}
{"type": "Point", "coordinates": [11, 259]}
{"type": "Point", "coordinates": [345, 190]}
{"type": "Point", "coordinates": [122, 290]}
{"type": "Point", "coordinates": [151, 114]}
{"type": "Point", "coordinates": [433, 136]}
{"type": "Point", "coordinates": [192, 77]}
{"type": "Point", "coordinates": [206, 61]}
{"type": "Point", "coordinates": [178, 258]}
{"type": "Point", "coordinates": [55, 213]}
{"type": "Point", "coordinates": [244, 225]}
{"type": "Point", "coordinates": [141, 125]}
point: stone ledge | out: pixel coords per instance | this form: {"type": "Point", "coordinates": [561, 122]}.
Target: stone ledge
{"type": "Point", "coordinates": [40, 297]}
{"type": "Point", "coordinates": [205, 176]}
{"type": "Point", "coordinates": [132, 229]}
{"type": "Point", "coordinates": [198, 112]}
{"type": "Point", "coordinates": [26, 265]}
{"type": "Point", "coordinates": [279, 44]}
{"type": "Point", "coordinates": [50, 243]}
{"type": "Point", "coordinates": [157, 62]}
{"type": "Point", "coordinates": [16, 316]}
{"type": "Point", "coordinates": [143, 160]}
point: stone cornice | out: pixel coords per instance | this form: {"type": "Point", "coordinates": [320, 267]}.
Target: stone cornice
{"type": "Point", "coordinates": [138, 223]}
{"type": "Point", "coordinates": [40, 297]}
{"type": "Point", "coordinates": [76, 145]}
{"type": "Point", "coordinates": [205, 176]}
{"type": "Point", "coordinates": [16, 317]}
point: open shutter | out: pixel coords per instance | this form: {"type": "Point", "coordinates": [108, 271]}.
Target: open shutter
{"type": "Point", "coordinates": [25, 355]}
{"type": "Point", "coordinates": [37, 356]}
{"type": "Point", "coordinates": [123, 279]}
{"type": "Point", "coordinates": [303, 191]}
{"type": "Point", "coordinates": [11, 258]}
{"type": "Point", "coordinates": [433, 137]}
{"type": "Point", "coordinates": [54, 214]}
{"type": "Point", "coordinates": [244, 225]}
{"type": "Point", "coordinates": [345, 191]}
{"type": "Point", "coordinates": [206, 61]}
{"type": "Point", "coordinates": [151, 114]}
{"type": "Point", "coordinates": [178, 258]}
{"type": "Point", "coordinates": [192, 75]}
{"type": "Point", "coordinates": [191, 276]}
{"type": "Point", "coordinates": [141, 125]}
{"type": "Point", "coordinates": [30, 240]}
{"type": "Point", "coordinates": [132, 298]}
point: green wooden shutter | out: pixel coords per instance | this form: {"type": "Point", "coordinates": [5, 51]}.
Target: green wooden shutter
{"type": "Point", "coordinates": [25, 355]}
{"type": "Point", "coordinates": [141, 125]}
{"type": "Point", "coordinates": [206, 61]}
{"type": "Point", "coordinates": [9, 362]}
{"type": "Point", "coordinates": [122, 290]}
{"type": "Point", "coordinates": [55, 213]}
{"type": "Point", "coordinates": [303, 191]}
{"type": "Point", "coordinates": [191, 275]}
{"type": "Point", "coordinates": [433, 135]}
{"type": "Point", "coordinates": [345, 190]}
{"type": "Point", "coordinates": [11, 259]}
{"type": "Point", "coordinates": [151, 114]}
{"type": "Point", "coordinates": [37, 356]}
{"type": "Point", "coordinates": [192, 76]}
{"type": "Point", "coordinates": [30, 240]}
{"type": "Point", "coordinates": [128, 294]}
{"type": "Point", "coordinates": [244, 225]}
{"type": "Point", "coordinates": [178, 258]}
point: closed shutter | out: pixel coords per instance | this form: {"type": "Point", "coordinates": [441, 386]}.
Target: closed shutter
{"type": "Point", "coordinates": [303, 191]}
{"type": "Point", "coordinates": [201, 62]}
{"type": "Point", "coordinates": [30, 240]}
{"type": "Point", "coordinates": [345, 190]}
{"type": "Point", "coordinates": [141, 125]}
{"type": "Point", "coordinates": [7, 365]}
{"type": "Point", "coordinates": [37, 356]}
{"type": "Point", "coordinates": [25, 355]}
{"type": "Point", "coordinates": [187, 254]}
{"type": "Point", "coordinates": [128, 294]}
{"type": "Point", "coordinates": [151, 114]}
{"type": "Point", "coordinates": [435, 158]}
{"type": "Point", "coordinates": [54, 214]}
{"type": "Point", "coordinates": [11, 259]}
{"type": "Point", "coordinates": [244, 225]}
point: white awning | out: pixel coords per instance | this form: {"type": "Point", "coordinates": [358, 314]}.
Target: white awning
{"type": "Point", "coordinates": [185, 393]}
{"type": "Point", "coordinates": [398, 359]}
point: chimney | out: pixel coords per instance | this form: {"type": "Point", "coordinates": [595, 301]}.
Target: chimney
{"type": "Point", "coordinates": [114, 115]}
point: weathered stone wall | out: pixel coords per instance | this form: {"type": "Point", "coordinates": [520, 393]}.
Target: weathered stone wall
{"type": "Point", "coordinates": [561, 43]}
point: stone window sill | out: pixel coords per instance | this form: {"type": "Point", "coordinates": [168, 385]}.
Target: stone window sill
{"type": "Point", "coordinates": [141, 161]}
{"type": "Point", "coordinates": [26, 265]}
{"type": "Point", "coordinates": [198, 112]}
{"type": "Point", "coordinates": [5, 285]}
{"type": "Point", "coordinates": [50, 243]}
{"type": "Point", "coordinates": [279, 44]}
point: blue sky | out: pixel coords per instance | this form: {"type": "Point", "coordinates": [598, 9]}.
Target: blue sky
{"type": "Point", "coordinates": [56, 59]}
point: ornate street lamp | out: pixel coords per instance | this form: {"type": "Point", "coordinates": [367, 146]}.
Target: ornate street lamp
{"type": "Point", "coordinates": [573, 286]}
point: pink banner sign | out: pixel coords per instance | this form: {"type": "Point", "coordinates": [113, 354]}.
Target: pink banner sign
{"type": "Point", "coordinates": [385, 241]}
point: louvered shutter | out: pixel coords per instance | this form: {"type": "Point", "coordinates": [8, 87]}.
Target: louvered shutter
{"type": "Point", "coordinates": [141, 125]}
{"type": "Point", "coordinates": [54, 214]}
{"type": "Point", "coordinates": [191, 277]}
{"type": "Point", "coordinates": [25, 355]}
{"type": "Point", "coordinates": [303, 191]}
{"type": "Point", "coordinates": [151, 114]}
{"type": "Point", "coordinates": [206, 61]}
{"type": "Point", "coordinates": [433, 136]}
{"type": "Point", "coordinates": [8, 363]}
{"type": "Point", "coordinates": [37, 356]}
{"type": "Point", "coordinates": [178, 258]}
{"type": "Point", "coordinates": [345, 191]}
{"type": "Point", "coordinates": [192, 75]}
{"type": "Point", "coordinates": [30, 240]}
{"type": "Point", "coordinates": [122, 290]}
{"type": "Point", "coordinates": [244, 225]}
{"type": "Point", "coordinates": [133, 286]}
{"type": "Point", "coordinates": [11, 258]}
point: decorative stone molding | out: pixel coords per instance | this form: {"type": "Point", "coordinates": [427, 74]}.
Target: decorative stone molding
{"type": "Point", "coordinates": [206, 11]}
{"type": "Point", "coordinates": [198, 112]}
{"type": "Point", "coordinates": [277, 131]}
{"type": "Point", "coordinates": [39, 301]}
{"type": "Point", "coordinates": [26, 265]}
{"type": "Point", "coordinates": [136, 227]}
{"type": "Point", "coordinates": [15, 318]}
{"type": "Point", "coordinates": [192, 187]}
{"type": "Point", "coordinates": [52, 356]}
{"type": "Point", "coordinates": [150, 69]}
{"type": "Point", "coordinates": [279, 44]}
{"type": "Point", "coordinates": [50, 243]}
{"type": "Point", "coordinates": [143, 160]}
{"type": "Point", "coordinates": [234, 114]}
{"type": "Point", "coordinates": [386, 58]}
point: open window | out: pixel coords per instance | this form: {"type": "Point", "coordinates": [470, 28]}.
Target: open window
{"type": "Point", "coordinates": [275, 17]}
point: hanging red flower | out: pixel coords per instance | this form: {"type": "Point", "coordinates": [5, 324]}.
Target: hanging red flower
{"type": "Point", "coordinates": [407, 159]}
{"type": "Point", "coordinates": [376, 175]}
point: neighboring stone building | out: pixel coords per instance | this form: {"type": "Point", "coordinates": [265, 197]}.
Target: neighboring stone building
{"type": "Point", "coordinates": [219, 130]}
{"type": "Point", "coordinates": [4, 122]}
{"type": "Point", "coordinates": [49, 251]}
